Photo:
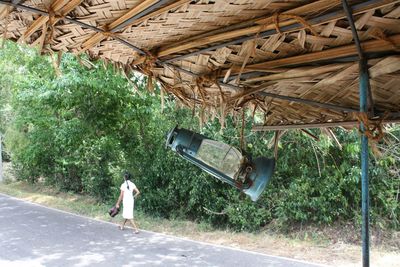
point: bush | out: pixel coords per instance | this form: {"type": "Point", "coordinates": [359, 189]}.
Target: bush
{"type": "Point", "coordinates": [80, 130]}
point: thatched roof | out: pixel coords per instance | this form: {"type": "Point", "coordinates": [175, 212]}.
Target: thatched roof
{"type": "Point", "coordinates": [295, 61]}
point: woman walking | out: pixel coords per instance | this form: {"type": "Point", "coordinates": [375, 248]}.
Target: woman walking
{"type": "Point", "coordinates": [128, 200]}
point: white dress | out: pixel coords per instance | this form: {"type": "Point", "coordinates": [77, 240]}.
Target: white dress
{"type": "Point", "coordinates": [128, 201]}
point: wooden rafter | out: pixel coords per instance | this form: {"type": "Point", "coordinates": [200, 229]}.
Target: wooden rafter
{"type": "Point", "coordinates": [298, 72]}
{"type": "Point", "coordinates": [152, 14]}
{"type": "Point", "coordinates": [300, 11]}
{"type": "Point", "coordinates": [61, 7]}
{"type": "Point", "coordinates": [263, 25]}
{"type": "Point", "coordinates": [260, 128]}
{"type": "Point", "coordinates": [132, 12]}
{"type": "Point", "coordinates": [333, 53]}
{"type": "Point", "coordinates": [266, 25]}
{"type": "Point", "coordinates": [4, 10]}
{"type": "Point", "coordinates": [305, 78]}
{"type": "Point", "coordinates": [98, 37]}
{"type": "Point", "coordinates": [76, 22]}
{"type": "Point", "coordinates": [221, 36]}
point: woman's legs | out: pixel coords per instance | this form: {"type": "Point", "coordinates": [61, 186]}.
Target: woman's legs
{"type": "Point", "coordinates": [134, 226]}
{"type": "Point", "coordinates": [123, 224]}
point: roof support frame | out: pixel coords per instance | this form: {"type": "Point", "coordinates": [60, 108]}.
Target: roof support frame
{"type": "Point", "coordinates": [308, 102]}
{"type": "Point", "coordinates": [165, 64]}
{"type": "Point", "coordinates": [359, 8]}
{"type": "Point", "coordinates": [372, 46]}
{"type": "Point", "coordinates": [144, 10]}
{"type": "Point", "coordinates": [149, 12]}
{"type": "Point", "coordinates": [72, 21]}
{"type": "Point", "coordinates": [57, 6]}
{"type": "Point", "coordinates": [132, 13]}
{"type": "Point", "coordinates": [262, 128]}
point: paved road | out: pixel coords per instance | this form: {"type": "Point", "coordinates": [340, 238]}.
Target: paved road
{"type": "Point", "coordinates": [32, 235]}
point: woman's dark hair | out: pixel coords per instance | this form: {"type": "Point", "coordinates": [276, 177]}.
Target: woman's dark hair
{"type": "Point", "coordinates": [127, 176]}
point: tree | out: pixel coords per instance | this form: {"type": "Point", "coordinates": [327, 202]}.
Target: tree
{"type": "Point", "coordinates": [80, 129]}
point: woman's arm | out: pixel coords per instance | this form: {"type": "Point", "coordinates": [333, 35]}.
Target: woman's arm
{"type": "Point", "coordinates": [121, 195]}
{"type": "Point", "coordinates": [137, 192]}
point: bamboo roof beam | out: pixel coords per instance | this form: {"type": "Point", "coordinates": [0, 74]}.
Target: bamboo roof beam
{"type": "Point", "coordinates": [87, 26]}
{"type": "Point", "coordinates": [140, 19]}
{"type": "Point", "coordinates": [265, 30]}
{"type": "Point", "coordinates": [136, 15]}
{"type": "Point", "coordinates": [4, 10]}
{"type": "Point", "coordinates": [263, 25]}
{"type": "Point", "coordinates": [98, 37]}
{"type": "Point", "coordinates": [299, 72]}
{"type": "Point", "coordinates": [334, 16]}
{"type": "Point", "coordinates": [314, 7]}
{"type": "Point", "coordinates": [72, 21]}
{"type": "Point", "coordinates": [133, 12]}
{"type": "Point", "coordinates": [62, 7]}
{"type": "Point", "coordinates": [259, 92]}
{"type": "Point", "coordinates": [262, 128]}
{"type": "Point", "coordinates": [333, 53]}
{"type": "Point", "coordinates": [302, 10]}
{"type": "Point", "coordinates": [204, 40]}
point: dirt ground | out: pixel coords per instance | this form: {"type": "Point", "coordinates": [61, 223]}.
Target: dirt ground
{"type": "Point", "coordinates": [324, 245]}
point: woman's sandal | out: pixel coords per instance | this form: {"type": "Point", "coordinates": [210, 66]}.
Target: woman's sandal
{"type": "Point", "coordinates": [121, 227]}
{"type": "Point", "coordinates": [136, 232]}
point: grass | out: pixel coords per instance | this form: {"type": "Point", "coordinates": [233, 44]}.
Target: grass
{"type": "Point", "coordinates": [319, 245]}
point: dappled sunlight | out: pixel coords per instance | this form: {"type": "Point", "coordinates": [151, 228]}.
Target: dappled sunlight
{"type": "Point", "coordinates": [82, 242]}
{"type": "Point", "coordinates": [39, 261]}
{"type": "Point", "coordinates": [87, 259]}
{"type": "Point", "coordinates": [41, 237]}
{"type": "Point", "coordinates": [40, 198]}
{"type": "Point", "coordinates": [19, 263]}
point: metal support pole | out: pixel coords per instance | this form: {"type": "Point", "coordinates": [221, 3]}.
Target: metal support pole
{"type": "Point", "coordinates": [364, 94]}
{"type": "Point", "coordinates": [363, 87]}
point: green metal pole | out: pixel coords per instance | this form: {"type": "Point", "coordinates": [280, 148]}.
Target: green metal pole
{"type": "Point", "coordinates": [364, 88]}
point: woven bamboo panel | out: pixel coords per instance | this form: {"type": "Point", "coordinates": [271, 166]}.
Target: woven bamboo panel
{"type": "Point", "coordinates": [294, 61]}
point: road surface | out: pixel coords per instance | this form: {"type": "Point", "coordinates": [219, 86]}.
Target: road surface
{"type": "Point", "coordinates": [32, 235]}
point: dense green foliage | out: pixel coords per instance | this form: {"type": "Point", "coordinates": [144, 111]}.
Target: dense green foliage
{"type": "Point", "coordinates": [80, 130]}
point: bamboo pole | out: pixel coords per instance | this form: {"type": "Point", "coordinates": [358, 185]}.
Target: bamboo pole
{"type": "Point", "coordinates": [136, 15]}
{"type": "Point", "coordinates": [261, 31]}
{"type": "Point", "coordinates": [329, 54]}
{"type": "Point", "coordinates": [99, 36]}
{"type": "Point", "coordinates": [58, 6]}
{"type": "Point", "coordinates": [133, 12]}
{"type": "Point", "coordinates": [73, 21]}
{"type": "Point", "coordinates": [142, 17]}
{"type": "Point", "coordinates": [261, 25]}
{"type": "Point", "coordinates": [262, 128]}
{"type": "Point", "coordinates": [308, 102]}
